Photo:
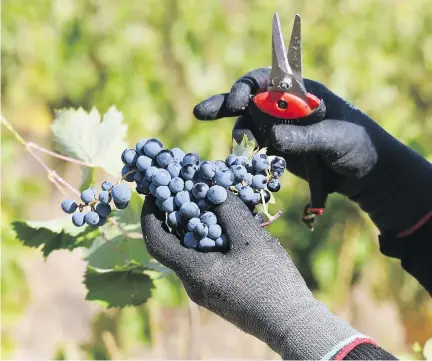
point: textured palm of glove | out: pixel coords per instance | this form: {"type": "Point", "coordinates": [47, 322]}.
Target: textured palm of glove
{"type": "Point", "coordinates": [389, 181]}
{"type": "Point", "coordinates": [254, 285]}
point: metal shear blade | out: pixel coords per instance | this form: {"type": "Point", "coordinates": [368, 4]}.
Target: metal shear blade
{"type": "Point", "coordinates": [286, 72]}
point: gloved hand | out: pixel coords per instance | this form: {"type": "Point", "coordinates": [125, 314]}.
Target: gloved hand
{"type": "Point", "coordinates": [389, 181]}
{"type": "Point", "coordinates": [254, 285]}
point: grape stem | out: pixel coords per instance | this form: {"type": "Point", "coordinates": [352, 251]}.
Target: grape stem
{"type": "Point", "coordinates": [127, 174]}
{"type": "Point", "coordinates": [52, 175]}
{"type": "Point", "coordinates": [272, 219]}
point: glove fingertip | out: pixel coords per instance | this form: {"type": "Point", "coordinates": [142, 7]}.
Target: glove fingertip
{"type": "Point", "coordinates": [239, 96]}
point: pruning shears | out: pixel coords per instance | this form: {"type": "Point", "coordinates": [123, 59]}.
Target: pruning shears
{"type": "Point", "coordinates": [286, 101]}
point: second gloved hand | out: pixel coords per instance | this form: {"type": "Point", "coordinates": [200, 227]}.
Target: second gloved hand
{"type": "Point", "coordinates": [389, 181]}
{"type": "Point", "coordinates": [255, 285]}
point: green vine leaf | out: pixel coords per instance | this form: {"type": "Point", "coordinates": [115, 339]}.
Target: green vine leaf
{"type": "Point", "coordinates": [130, 217]}
{"type": "Point", "coordinates": [123, 286]}
{"type": "Point", "coordinates": [84, 136]}
{"type": "Point", "coordinates": [54, 235]}
{"type": "Point", "coordinates": [245, 148]}
{"type": "Point", "coordinates": [116, 251]}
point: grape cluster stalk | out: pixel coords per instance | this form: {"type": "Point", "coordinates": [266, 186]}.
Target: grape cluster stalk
{"type": "Point", "coordinates": [186, 188]}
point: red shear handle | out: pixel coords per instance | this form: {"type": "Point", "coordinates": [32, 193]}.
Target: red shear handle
{"type": "Point", "coordinates": [286, 105]}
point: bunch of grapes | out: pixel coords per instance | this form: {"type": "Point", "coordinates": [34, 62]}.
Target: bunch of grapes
{"type": "Point", "coordinates": [98, 204]}
{"type": "Point", "coordinates": [186, 188]}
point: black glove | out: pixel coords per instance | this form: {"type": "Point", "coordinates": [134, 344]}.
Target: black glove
{"type": "Point", "coordinates": [255, 286]}
{"type": "Point", "coordinates": [389, 181]}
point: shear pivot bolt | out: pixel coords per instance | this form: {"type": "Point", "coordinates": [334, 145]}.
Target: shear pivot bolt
{"type": "Point", "coordinates": [282, 104]}
{"type": "Point", "coordinates": [284, 85]}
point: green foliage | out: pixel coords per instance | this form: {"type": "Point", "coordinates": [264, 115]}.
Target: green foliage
{"type": "Point", "coordinates": [54, 235]}
{"type": "Point", "coordinates": [83, 136]}
{"type": "Point", "coordinates": [122, 286]}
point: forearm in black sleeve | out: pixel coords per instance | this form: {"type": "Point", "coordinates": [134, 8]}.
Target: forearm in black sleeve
{"type": "Point", "coordinates": [414, 249]}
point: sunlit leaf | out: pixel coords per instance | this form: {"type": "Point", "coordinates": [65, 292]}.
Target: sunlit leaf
{"type": "Point", "coordinates": [84, 136]}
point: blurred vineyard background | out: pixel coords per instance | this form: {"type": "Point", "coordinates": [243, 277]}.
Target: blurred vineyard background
{"type": "Point", "coordinates": [154, 60]}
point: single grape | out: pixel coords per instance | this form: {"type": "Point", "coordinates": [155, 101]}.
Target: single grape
{"type": "Point", "coordinates": [201, 230]}
{"type": "Point", "coordinates": [250, 169]}
{"type": "Point", "coordinates": [188, 171]}
{"type": "Point", "coordinates": [106, 185]}
{"type": "Point", "coordinates": [189, 210]}
{"type": "Point", "coordinates": [220, 164]}
{"type": "Point", "coordinates": [238, 186]}
{"type": "Point", "coordinates": [178, 154]}
{"type": "Point", "coordinates": [224, 177]}
{"type": "Point", "coordinates": [248, 178]}
{"type": "Point", "coordinates": [149, 173]}
{"type": "Point", "coordinates": [192, 223]}
{"type": "Point", "coordinates": [103, 209]}
{"type": "Point", "coordinates": [176, 184]}
{"type": "Point", "coordinates": [139, 146]}
{"type": "Point", "coordinates": [259, 181]}
{"type": "Point", "coordinates": [164, 158]}
{"type": "Point", "coordinates": [208, 218]}
{"type": "Point", "coordinates": [120, 205]}
{"type": "Point", "coordinates": [143, 187]}
{"type": "Point", "coordinates": [168, 205]}
{"type": "Point", "coordinates": [239, 172]}
{"type": "Point", "coordinates": [129, 157]}
{"type": "Point", "coordinates": [222, 241]}
{"type": "Point", "coordinates": [274, 185]}
{"type": "Point", "coordinates": [78, 219]}
{"type": "Point", "coordinates": [162, 193]}
{"type": "Point", "coordinates": [102, 221]}
{"type": "Point", "coordinates": [260, 162]}
{"type": "Point", "coordinates": [267, 196]}
{"type": "Point", "coordinates": [174, 169]}
{"type": "Point", "coordinates": [181, 198]}
{"type": "Point", "coordinates": [121, 193]}
{"type": "Point", "coordinates": [69, 206]}
{"type": "Point", "coordinates": [278, 164]}
{"type": "Point", "coordinates": [87, 196]}
{"type": "Point", "coordinates": [174, 219]}
{"type": "Point", "coordinates": [214, 231]}
{"type": "Point", "coordinates": [191, 158]}
{"type": "Point", "coordinates": [230, 160]}
{"type": "Point", "coordinates": [246, 194]}
{"type": "Point", "coordinates": [125, 170]}
{"type": "Point", "coordinates": [91, 218]}
{"type": "Point", "coordinates": [241, 160]}
{"type": "Point", "coordinates": [152, 147]}
{"type": "Point", "coordinates": [188, 185]}
{"type": "Point", "coordinates": [203, 204]}
{"type": "Point", "coordinates": [256, 199]}
{"type": "Point", "coordinates": [138, 177]}
{"type": "Point", "coordinates": [105, 197]}
{"type": "Point", "coordinates": [143, 163]}
{"type": "Point", "coordinates": [152, 189]}
{"type": "Point", "coordinates": [161, 178]}
{"type": "Point", "coordinates": [206, 244]}
{"type": "Point", "coordinates": [93, 189]}
{"type": "Point", "coordinates": [190, 240]}
{"type": "Point", "coordinates": [199, 190]}
{"type": "Point", "coordinates": [217, 194]}
{"type": "Point", "coordinates": [207, 170]}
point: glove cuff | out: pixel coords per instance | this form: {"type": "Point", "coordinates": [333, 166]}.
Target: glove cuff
{"type": "Point", "coordinates": [317, 334]}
